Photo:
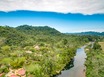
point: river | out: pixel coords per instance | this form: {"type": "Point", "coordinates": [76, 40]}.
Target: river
{"type": "Point", "coordinates": [78, 70]}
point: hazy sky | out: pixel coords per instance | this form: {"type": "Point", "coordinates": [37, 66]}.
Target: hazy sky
{"type": "Point", "coordinates": [64, 15]}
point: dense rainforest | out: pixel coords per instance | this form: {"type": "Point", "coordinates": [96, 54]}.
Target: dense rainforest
{"type": "Point", "coordinates": [37, 51]}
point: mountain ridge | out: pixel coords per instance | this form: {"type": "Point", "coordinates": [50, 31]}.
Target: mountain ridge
{"type": "Point", "coordinates": [88, 33]}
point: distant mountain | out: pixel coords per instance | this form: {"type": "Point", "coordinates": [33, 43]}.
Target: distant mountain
{"type": "Point", "coordinates": [89, 33]}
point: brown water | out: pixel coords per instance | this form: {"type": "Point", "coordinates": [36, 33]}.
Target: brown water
{"type": "Point", "coordinates": [78, 69]}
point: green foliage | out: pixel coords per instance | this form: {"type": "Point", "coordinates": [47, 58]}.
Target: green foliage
{"type": "Point", "coordinates": [95, 62]}
{"type": "Point", "coordinates": [35, 69]}
{"type": "Point", "coordinates": [17, 62]}
{"type": "Point", "coordinates": [55, 50]}
{"type": "Point", "coordinates": [96, 46]}
{"type": "Point", "coordinates": [5, 48]}
{"type": "Point", "coordinates": [2, 41]}
{"type": "Point", "coordinates": [37, 30]}
{"type": "Point", "coordinates": [6, 61]}
{"type": "Point", "coordinates": [65, 41]}
{"type": "Point", "coordinates": [4, 69]}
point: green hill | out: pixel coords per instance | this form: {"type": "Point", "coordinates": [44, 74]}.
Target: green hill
{"type": "Point", "coordinates": [41, 51]}
{"type": "Point", "coordinates": [37, 30]}
{"type": "Point", "coordinates": [21, 34]}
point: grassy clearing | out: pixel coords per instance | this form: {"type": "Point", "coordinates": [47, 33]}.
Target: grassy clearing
{"type": "Point", "coordinates": [102, 45]}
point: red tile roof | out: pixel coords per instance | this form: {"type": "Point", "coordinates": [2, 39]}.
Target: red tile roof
{"type": "Point", "coordinates": [21, 72]}
{"type": "Point", "coordinates": [1, 74]}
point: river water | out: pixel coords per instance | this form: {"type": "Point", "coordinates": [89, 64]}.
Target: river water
{"type": "Point", "coordinates": [79, 69]}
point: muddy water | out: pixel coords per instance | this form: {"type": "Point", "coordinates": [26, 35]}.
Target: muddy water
{"type": "Point", "coordinates": [78, 69]}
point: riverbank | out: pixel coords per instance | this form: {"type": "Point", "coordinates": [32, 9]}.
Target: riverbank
{"type": "Point", "coordinates": [78, 69]}
{"type": "Point", "coordinates": [94, 61]}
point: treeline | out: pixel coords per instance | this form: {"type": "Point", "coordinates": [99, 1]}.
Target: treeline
{"type": "Point", "coordinates": [41, 51]}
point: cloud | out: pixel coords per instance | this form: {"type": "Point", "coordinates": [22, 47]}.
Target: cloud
{"type": "Point", "coordinates": [62, 6]}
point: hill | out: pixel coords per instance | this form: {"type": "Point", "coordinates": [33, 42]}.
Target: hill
{"type": "Point", "coordinates": [37, 30]}
{"type": "Point", "coordinates": [89, 33]}
{"type": "Point", "coordinates": [11, 35]}
{"type": "Point", "coordinates": [39, 51]}
{"type": "Point", "coordinates": [21, 34]}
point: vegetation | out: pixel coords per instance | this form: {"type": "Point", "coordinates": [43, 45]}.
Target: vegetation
{"type": "Point", "coordinates": [41, 51]}
{"type": "Point", "coordinates": [102, 45]}
{"type": "Point", "coordinates": [95, 61]}
{"type": "Point", "coordinates": [89, 33]}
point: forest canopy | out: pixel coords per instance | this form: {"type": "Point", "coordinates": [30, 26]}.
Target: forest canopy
{"type": "Point", "coordinates": [41, 51]}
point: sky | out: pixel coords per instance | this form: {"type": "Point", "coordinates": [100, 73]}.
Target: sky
{"type": "Point", "coordinates": [63, 15]}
